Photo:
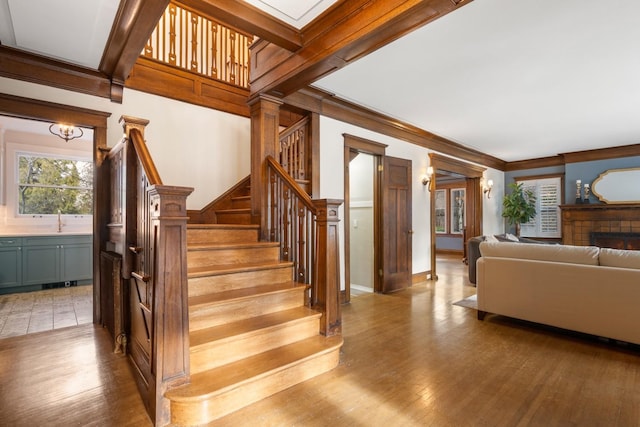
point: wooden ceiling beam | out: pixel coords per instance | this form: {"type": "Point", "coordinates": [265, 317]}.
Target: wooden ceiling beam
{"type": "Point", "coordinates": [133, 24]}
{"type": "Point", "coordinates": [344, 33]}
{"type": "Point", "coordinates": [252, 20]}
{"type": "Point", "coordinates": [21, 65]}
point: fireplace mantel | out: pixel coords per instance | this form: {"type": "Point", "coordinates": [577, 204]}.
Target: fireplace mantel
{"type": "Point", "coordinates": [579, 220]}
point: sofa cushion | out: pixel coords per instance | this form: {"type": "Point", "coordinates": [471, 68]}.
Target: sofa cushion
{"type": "Point", "coordinates": [540, 252]}
{"type": "Point", "coordinates": [620, 258]}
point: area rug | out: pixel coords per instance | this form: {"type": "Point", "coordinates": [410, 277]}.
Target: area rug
{"type": "Point", "coordinates": [469, 302]}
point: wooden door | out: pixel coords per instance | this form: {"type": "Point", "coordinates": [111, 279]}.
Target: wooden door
{"type": "Point", "coordinates": [396, 224]}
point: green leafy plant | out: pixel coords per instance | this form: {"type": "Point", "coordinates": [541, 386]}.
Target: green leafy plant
{"type": "Point", "coordinates": [519, 206]}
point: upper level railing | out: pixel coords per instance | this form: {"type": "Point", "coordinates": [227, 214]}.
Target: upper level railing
{"type": "Point", "coordinates": [185, 39]}
{"type": "Point", "coordinates": [295, 152]}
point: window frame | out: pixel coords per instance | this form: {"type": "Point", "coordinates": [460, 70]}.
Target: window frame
{"type": "Point", "coordinates": [18, 184]}
{"type": "Point", "coordinates": [444, 207]}
{"type": "Point", "coordinates": [12, 151]}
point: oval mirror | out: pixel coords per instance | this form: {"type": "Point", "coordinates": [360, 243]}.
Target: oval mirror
{"type": "Point", "coordinates": [618, 186]}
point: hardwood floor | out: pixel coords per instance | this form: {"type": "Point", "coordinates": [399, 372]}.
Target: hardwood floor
{"type": "Point", "coordinates": [409, 358]}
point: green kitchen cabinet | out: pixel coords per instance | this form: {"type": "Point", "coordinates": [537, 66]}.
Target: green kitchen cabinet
{"type": "Point", "coordinates": [30, 261]}
{"type": "Point", "coordinates": [10, 262]}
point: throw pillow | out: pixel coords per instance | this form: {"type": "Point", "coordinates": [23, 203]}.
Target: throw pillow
{"type": "Point", "coordinates": [512, 237]}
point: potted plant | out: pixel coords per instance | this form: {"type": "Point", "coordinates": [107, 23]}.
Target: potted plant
{"type": "Point", "coordinates": [519, 206]}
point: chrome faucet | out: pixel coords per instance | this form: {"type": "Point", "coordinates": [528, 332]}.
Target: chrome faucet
{"type": "Point", "coordinates": [59, 222]}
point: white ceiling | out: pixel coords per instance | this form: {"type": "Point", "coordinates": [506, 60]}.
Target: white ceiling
{"type": "Point", "coordinates": [74, 31]}
{"type": "Point", "coordinates": [297, 13]}
{"type": "Point", "coordinates": [516, 79]}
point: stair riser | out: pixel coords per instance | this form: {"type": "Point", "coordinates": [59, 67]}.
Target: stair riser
{"type": "Point", "coordinates": [233, 218]}
{"type": "Point", "coordinates": [218, 353]}
{"type": "Point", "coordinates": [230, 311]}
{"type": "Point", "coordinates": [226, 282]}
{"type": "Point", "coordinates": [207, 410]}
{"type": "Point", "coordinates": [215, 257]}
{"type": "Point", "coordinates": [241, 203]}
{"type": "Point", "coordinates": [205, 236]}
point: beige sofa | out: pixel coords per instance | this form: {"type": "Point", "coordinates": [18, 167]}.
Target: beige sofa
{"type": "Point", "coordinates": [581, 288]}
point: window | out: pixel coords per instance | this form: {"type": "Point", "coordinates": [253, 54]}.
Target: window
{"type": "Point", "coordinates": [450, 209]}
{"type": "Point", "coordinates": [441, 211]}
{"type": "Point", "coordinates": [547, 222]}
{"type": "Point", "coordinates": [457, 210]}
{"type": "Point", "coordinates": [48, 185]}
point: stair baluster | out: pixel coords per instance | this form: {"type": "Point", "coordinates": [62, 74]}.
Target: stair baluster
{"type": "Point", "coordinates": [308, 235]}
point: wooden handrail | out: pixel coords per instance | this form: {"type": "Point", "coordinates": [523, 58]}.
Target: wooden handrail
{"type": "Point", "coordinates": [294, 127]}
{"type": "Point", "coordinates": [146, 161]}
{"type": "Point", "coordinates": [291, 183]}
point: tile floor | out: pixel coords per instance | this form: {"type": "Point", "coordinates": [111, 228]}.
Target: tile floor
{"type": "Point", "coordinates": [29, 312]}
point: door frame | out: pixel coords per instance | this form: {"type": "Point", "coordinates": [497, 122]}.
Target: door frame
{"type": "Point", "coordinates": [33, 109]}
{"type": "Point", "coordinates": [473, 217]}
{"type": "Point", "coordinates": [377, 150]}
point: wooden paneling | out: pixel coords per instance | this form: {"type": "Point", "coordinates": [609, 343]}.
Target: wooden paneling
{"type": "Point", "coordinates": [163, 80]}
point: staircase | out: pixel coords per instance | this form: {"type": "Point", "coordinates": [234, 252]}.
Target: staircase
{"type": "Point", "coordinates": [251, 335]}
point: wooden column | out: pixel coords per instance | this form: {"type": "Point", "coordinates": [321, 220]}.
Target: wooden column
{"type": "Point", "coordinates": [265, 112]}
{"type": "Point", "coordinates": [170, 350]}
{"type": "Point", "coordinates": [327, 268]}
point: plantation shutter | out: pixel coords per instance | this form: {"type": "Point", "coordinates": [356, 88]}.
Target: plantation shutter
{"type": "Point", "coordinates": [546, 223]}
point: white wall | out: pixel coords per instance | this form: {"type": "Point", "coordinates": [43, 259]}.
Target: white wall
{"type": "Point", "coordinates": [332, 181]}
{"type": "Point", "coordinates": [191, 146]}
{"type": "Point", "coordinates": [492, 221]}
{"type": "Point", "coordinates": [361, 231]}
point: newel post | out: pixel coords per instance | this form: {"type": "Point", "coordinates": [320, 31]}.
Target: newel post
{"type": "Point", "coordinates": [265, 127]}
{"type": "Point", "coordinates": [170, 350]}
{"type": "Point", "coordinates": [326, 297]}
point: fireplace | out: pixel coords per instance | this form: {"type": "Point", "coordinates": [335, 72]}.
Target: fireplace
{"type": "Point", "coordinates": [616, 240]}
{"type": "Point", "coordinates": [616, 225]}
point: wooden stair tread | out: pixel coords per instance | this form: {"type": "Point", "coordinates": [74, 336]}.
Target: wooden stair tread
{"type": "Point", "coordinates": [253, 325]}
{"type": "Point", "coordinates": [223, 226]}
{"type": "Point", "coordinates": [235, 294]}
{"type": "Point", "coordinates": [227, 377]}
{"type": "Point", "coordinates": [234, 268]}
{"type": "Point", "coordinates": [221, 246]}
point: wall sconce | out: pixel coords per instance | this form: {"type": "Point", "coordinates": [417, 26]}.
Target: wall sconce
{"type": "Point", "coordinates": [426, 179]}
{"type": "Point", "coordinates": [486, 186]}
{"type": "Point", "coordinates": [66, 132]}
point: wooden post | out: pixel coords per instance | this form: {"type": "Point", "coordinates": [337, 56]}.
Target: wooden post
{"type": "Point", "coordinates": [326, 283]}
{"type": "Point", "coordinates": [170, 350]}
{"type": "Point", "coordinates": [265, 121]}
